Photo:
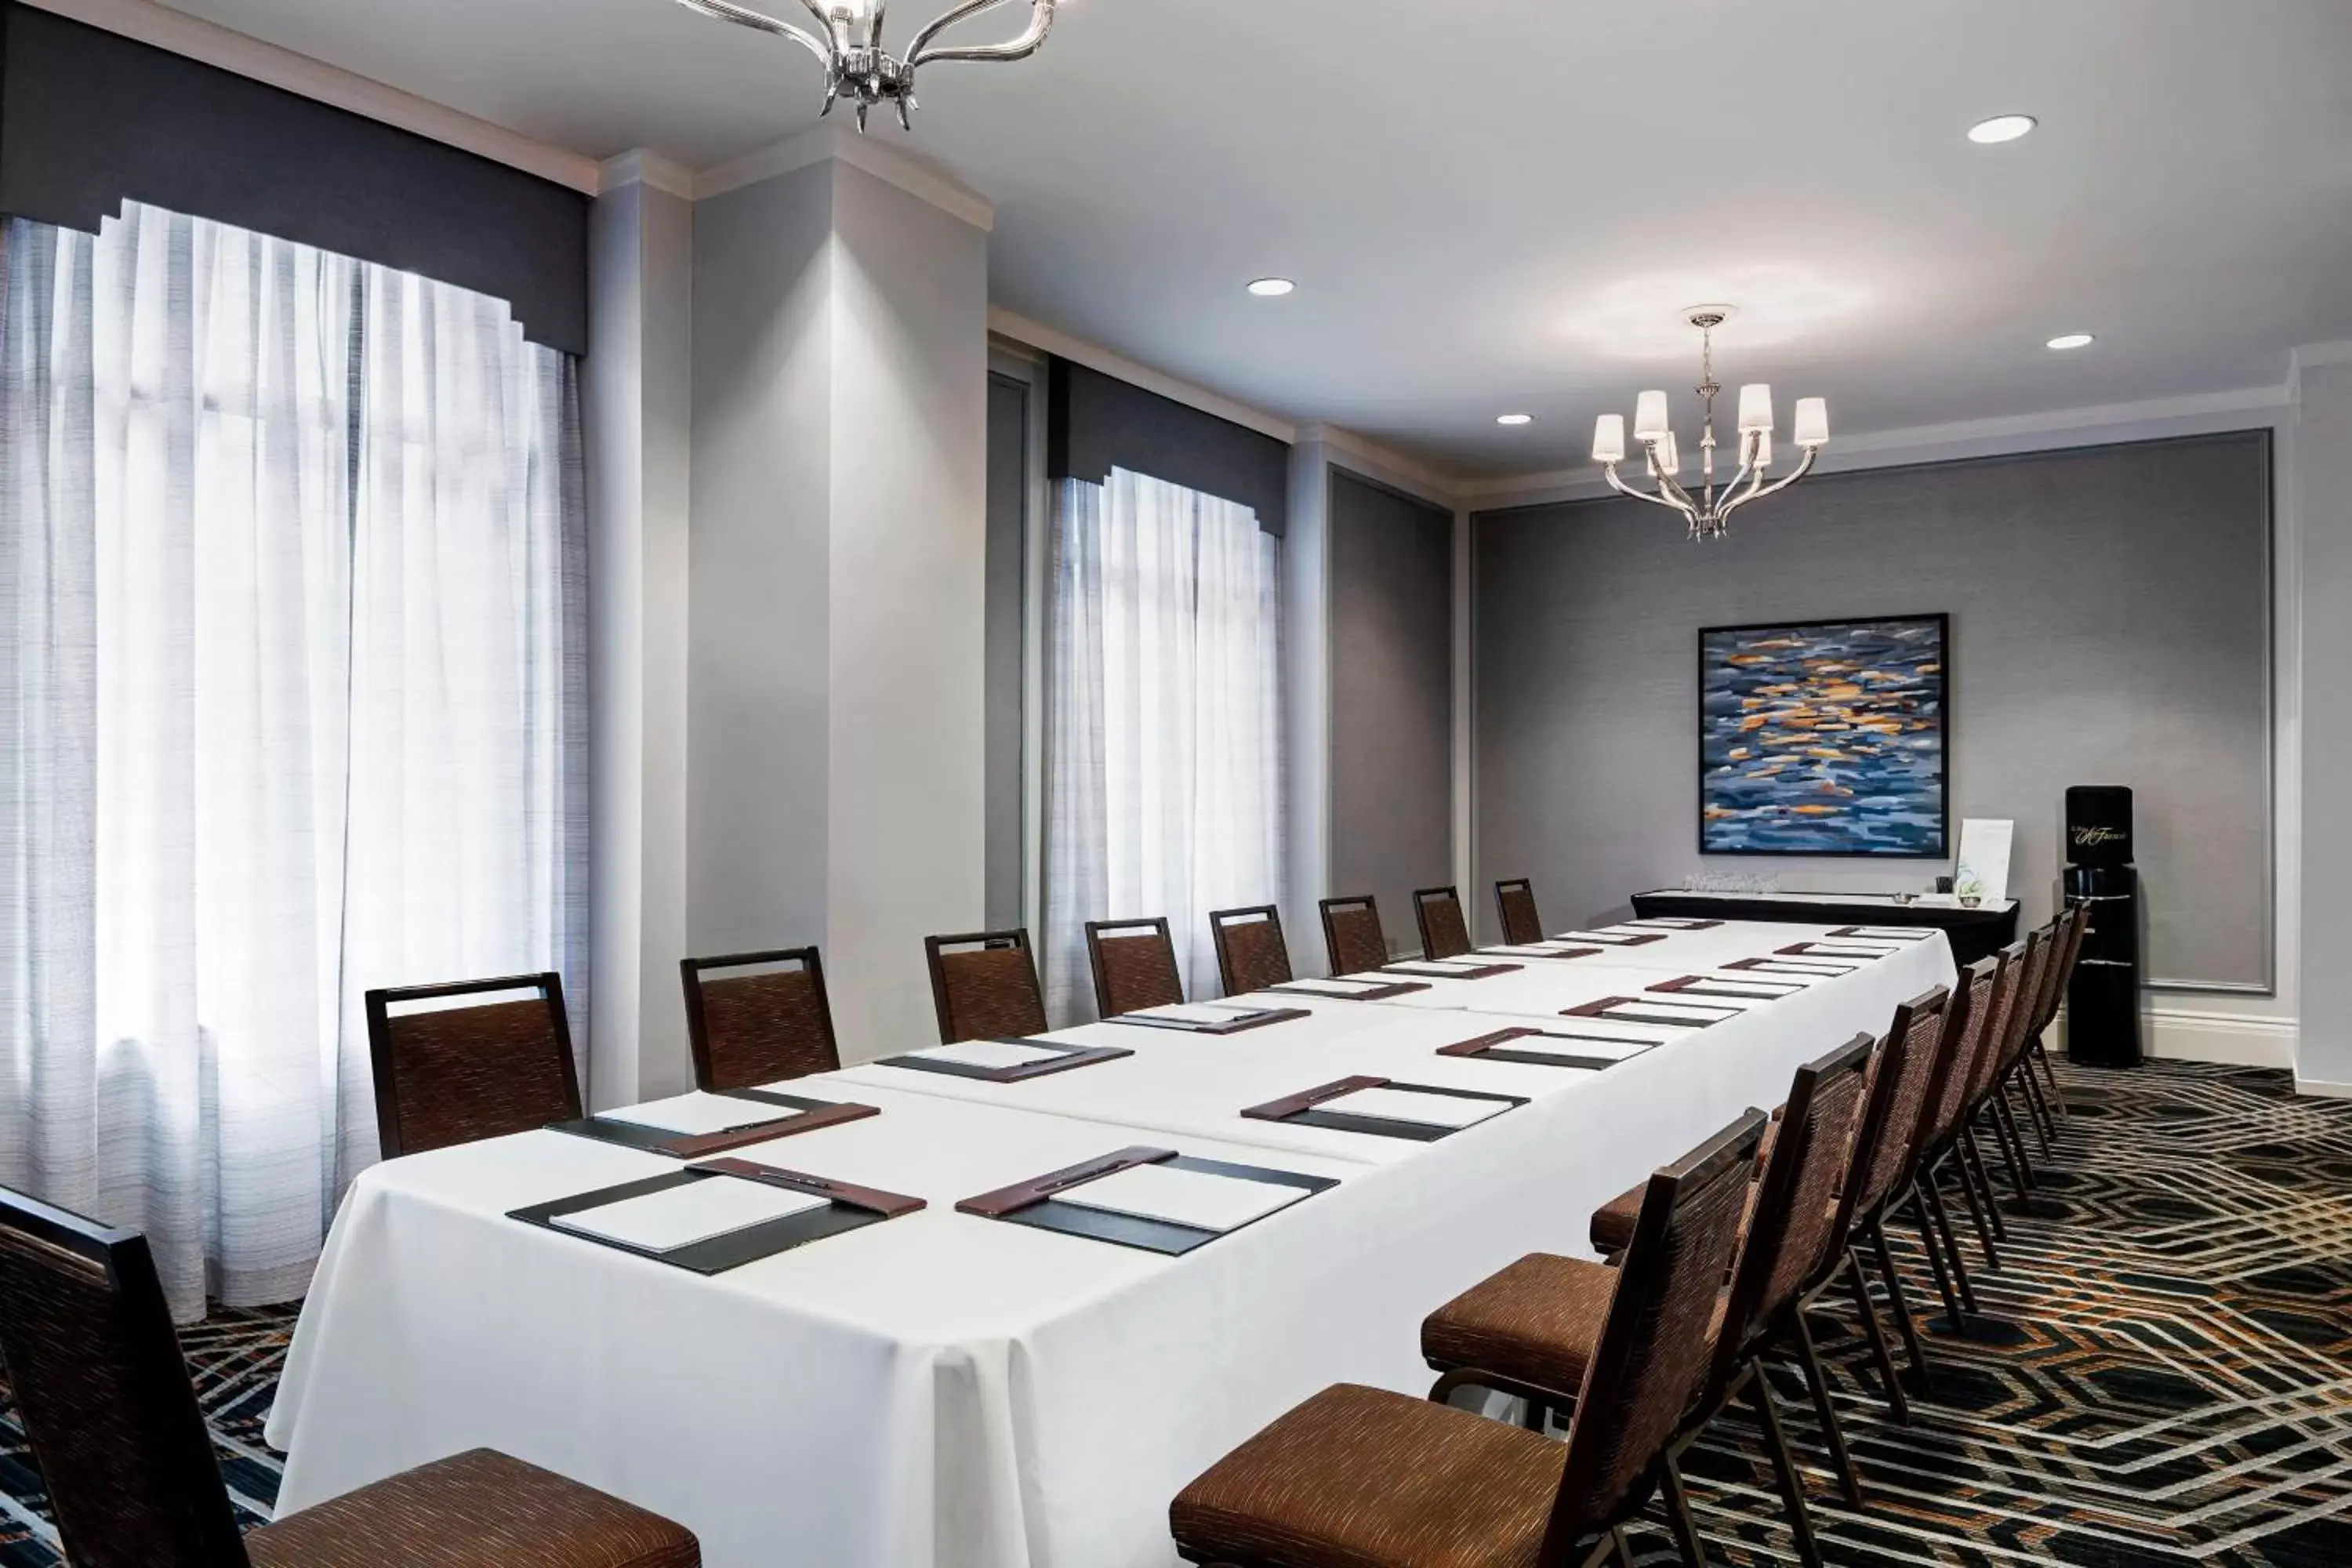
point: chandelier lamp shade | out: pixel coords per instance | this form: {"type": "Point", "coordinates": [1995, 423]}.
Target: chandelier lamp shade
{"type": "Point", "coordinates": [1708, 509]}
{"type": "Point", "coordinates": [857, 65]}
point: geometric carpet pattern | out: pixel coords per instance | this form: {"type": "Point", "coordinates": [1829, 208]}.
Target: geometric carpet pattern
{"type": "Point", "coordinates": [2160, 1373]}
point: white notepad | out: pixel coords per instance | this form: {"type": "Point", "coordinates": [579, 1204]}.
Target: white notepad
{"type": "Point", "coordinates": [1412, 1105]}
{"type": "Point", "coordinates": [1614, 1050]}
{"type": "Point", "coordinates": [990, 1054]}
{"type": "Point", "coordinates": [1706, 984]}
{"type": "Point", "coordinates": [679, 1217]}
{"type": "Point", "coordinates": [695, 1115]}
{"type": "Point", "coordinates": [1336, 987]}
{"type": "Point", "coordinates": [1531, 950]}
{"type": "Point", "coordinates": [1197, 1012]}
{"type": "Point", "coordinates": [1440, 966]}
{"type": "Point", "coordinates": [1697, 1013]}
{"type": "Point", "coordinates": [1609, 939]}
{"type": "Point", "coordinates": [1197, 1199]}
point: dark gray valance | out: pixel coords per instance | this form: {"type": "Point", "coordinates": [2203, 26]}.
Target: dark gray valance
{"type": "Point", "coordinates": [1096, 423]}
{"type": "Point", "coordinates": [89, 120]}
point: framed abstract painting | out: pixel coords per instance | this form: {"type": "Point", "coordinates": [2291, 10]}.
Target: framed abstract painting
{"type": "Point", "coordinates": [1825, 738]}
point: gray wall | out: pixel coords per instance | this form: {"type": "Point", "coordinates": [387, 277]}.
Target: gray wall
{"type": "Point", "coordinates": [2110, 625]}
{"type": "Point", "coordinates": [1392, 630]}
{"type": "Point", "coordinates": [1008, 492]}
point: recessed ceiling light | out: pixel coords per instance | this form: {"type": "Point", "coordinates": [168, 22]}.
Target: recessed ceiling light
{"type": "Point", "coordinates": [2002, 128]}
{"type": "Point", "coordinates": [2072, 340]}
{"type": "Point", "coordinates": [1515, 418]}
{"type": "Point", "coordinates": [1272, 288]}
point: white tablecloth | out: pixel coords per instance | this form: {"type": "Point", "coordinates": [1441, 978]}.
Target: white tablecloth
{"type": "Point", "coordinates": [1719, 944]}
{"type": "Point", "coordinates": [947, 1390]}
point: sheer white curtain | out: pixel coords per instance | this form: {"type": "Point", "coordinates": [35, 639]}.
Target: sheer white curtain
{"type": "Point", "coordinates": [1164, 730]}
{"type": "Point", "coordinates": [290, 644]}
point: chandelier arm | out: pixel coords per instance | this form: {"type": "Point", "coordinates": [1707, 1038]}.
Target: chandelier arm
{"type": "Point", "coordinates": [724, 11]}
{"type": "Point", "coordinates": [1623, 489]}
{"type": "Point", "coordinates": [1759, 491]}
{"type": "Point", "coordinates": [1033, 37]}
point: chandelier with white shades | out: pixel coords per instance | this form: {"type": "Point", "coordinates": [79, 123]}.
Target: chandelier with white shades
{"type": "Point", "coordinates": [1708, 511]}
{"type": "Point", "coordinates": [857, 65]}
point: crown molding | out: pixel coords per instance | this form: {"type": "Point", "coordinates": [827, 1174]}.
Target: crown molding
{"type": "Point", "coordinates": [2098, 426]}
{"type": "Point", "coordinates": [1388, 467]}
{"type": "Point", "coordinates": [213, 45]}
{"type": "Point", "coordinates": [1021, 330]}
{"type": "Point", "coordinates": [911, 172]}
{"type": "Point", "coordinates": [2309, 354]}
{"type": "Point", "coordinates": [640, 167]}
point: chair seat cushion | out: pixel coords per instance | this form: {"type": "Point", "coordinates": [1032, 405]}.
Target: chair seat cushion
{"type": "Point", "coordinates": [477, 1509]}
{"type": "Point", "coordinates": [1359, 1478]}
{"type": "Point", "coordinates": [1538, 1321]}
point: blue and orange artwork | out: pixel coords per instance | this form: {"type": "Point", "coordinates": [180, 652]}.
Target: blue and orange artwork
{"type": "Point", "coordinates": [1823, 738]}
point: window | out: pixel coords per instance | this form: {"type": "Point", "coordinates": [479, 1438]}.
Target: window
{"type": "Point", "coordinates": [292, 669]}
{"type": "Point", "coordinates": [1164, 745]}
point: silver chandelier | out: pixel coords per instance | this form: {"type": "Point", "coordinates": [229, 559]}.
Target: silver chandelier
{"type": "Point", "coordinates": [1709, 511]}
{"type": "Point", "coordinates": [857, 65]}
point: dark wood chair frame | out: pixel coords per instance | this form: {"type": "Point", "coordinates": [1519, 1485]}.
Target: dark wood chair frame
{"type": "Point", "coordinates": [1097, 930]}
{"type": "Point", "coordinates": [1503, 908]}
{"type": "Point", "coordinates": [1015, 937]}
{"type": "Point", "coordinates": [1861, 1217]}
{"type": "Point", "coordinates": [690, 971]}
{"type": "Point", "coordinates": [1937, 1140]}
{"type": "Point", "coordinates": [1329, 907]}
{"type": "Point", "coordinates": [1425, 896]}
{"type": "Point", "coordinates": [1735, 1366]}
{"type": "Point", "coordinates": [167, 1397]}
{"type": "Point", "coordinates": [1219, 919]}
{"type": "Point", "coordinates": [379, 1005]}
{"type": "Point", "coordinates": [162, 1395]}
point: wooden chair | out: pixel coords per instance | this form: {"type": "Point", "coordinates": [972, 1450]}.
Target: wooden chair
{"type": "Point", "coordinates": [453, 1074]}
{"type": "Point", "coordinates": [112, 1420]}
{"type": "Point", "coordinates": [1444, 934]}
{"type": "Point", "coordinates": [750, 1029]}
{"type": "Point", "coordinates": [1133, 971]}
{"type": "Point", "coordinates": [984, 985]}
{"type": "Point", "coordinates": [1515, 901]}
{"type": "Point", "coordinates": [1925, 1031]}
{"type": "Point", "coordinates": [1360, 1478]}
{"type": "Point", "coordinates": [1976, 1008]}
{"type": "Point", "coordinates": [1900, 1077]}
{"type": "Point", "coordinates": [1353, 937]}
{"type": "Point", "coordinates": [1529, 1330]}
{"type": "Point", "coordinates": [1251, 953]}
{"type": "Point", "coordinates": [2030, 961]}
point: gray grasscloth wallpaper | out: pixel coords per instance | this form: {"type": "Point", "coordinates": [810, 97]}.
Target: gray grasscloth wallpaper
{"type": "Point", "coordinates": [2110, 625]}
{"type": "Point", "coordinates": [1392, 702]}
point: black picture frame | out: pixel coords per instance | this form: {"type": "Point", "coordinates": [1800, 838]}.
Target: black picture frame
{"type": "Point", "coordinates": [1940, 848]}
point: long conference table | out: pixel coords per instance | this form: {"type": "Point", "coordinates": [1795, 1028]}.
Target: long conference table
{"type": "Point", "coordinates": [946, 1390]}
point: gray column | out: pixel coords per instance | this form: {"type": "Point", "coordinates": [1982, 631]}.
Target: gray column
{"type": "Point", "coordinates": [835, 754]}
{"type": "Point", "coordinates": [637, 396]}
{"type": "Point", "coordinates": [2319, 489]}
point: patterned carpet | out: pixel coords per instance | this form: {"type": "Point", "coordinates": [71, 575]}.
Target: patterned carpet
{"type": "Point", "coordinates": [2162, 1373]}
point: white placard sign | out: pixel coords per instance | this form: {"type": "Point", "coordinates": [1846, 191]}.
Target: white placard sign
{"type": "Point", "coordinates": [1983, 868]}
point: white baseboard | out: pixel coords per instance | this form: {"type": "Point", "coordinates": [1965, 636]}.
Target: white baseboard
{"type": "Point", "coordinates": [2233, 1039]}
{"type": "Point", "coordinates": [2320, 1089]}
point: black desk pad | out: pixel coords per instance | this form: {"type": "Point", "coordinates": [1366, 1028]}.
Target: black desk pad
{"type": "Point", "coordinates": [713, 1255]}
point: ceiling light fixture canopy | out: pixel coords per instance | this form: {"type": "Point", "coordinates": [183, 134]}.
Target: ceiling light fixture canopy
{"type": "Point", "coordinates": [1708, 512]}
{"type": "Point", "coordinates": [1515, 418]}
{"type": "Point", "coordinates": [1272, 288]}
{"type": "Point", "coordinates": [857, 65]}
{"type": "Point", "coordinates": [2064, 341]}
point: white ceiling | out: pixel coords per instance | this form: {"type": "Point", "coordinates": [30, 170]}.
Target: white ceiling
{"type": "Point", "coordinates": [1498, 206]}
